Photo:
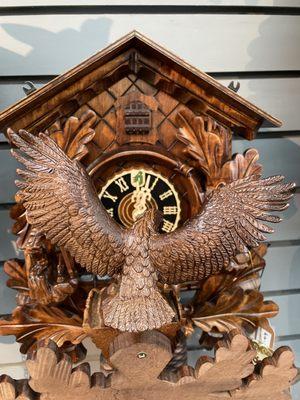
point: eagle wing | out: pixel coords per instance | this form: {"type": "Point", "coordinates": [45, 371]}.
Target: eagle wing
{"type": "Point", "coordinates": [62, 203]}
{"type": "Point", "coordinates": [231, 220]}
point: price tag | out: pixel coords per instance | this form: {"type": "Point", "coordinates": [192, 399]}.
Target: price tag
{"type": "Point", "coordinates": [263, 341]}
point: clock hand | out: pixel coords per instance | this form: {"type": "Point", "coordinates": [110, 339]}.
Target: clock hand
{"type": "Point", "coordinates": [140, 196]}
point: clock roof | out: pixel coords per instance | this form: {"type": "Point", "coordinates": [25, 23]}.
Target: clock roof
{"type": "Point", "coordinates": [136, 54]}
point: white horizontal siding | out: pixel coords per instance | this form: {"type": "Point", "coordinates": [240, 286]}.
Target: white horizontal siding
{"type": "Point", "coordinates": [259, 3]}
{"type": "Point", "coordinates": [8, 175]}
{"type": "Point", "coordinates": [287, 322]}
{"type": "Point", "coordinates": [51, 44]}
{"type": "Point", "coordinates": [7, 295]}
{"type": "Point", "coordinates": [277, 155]}
{"type": "Point", "coordinates": [282, 270]}
{"type": "Point", "coordinates": [10, 93]}
{"type": "Point", "coordinates": [8, 240]}
{"type": "Point", "coordinates": [46, 44]}
{"type": "Point", "coordinates": [280, 97]}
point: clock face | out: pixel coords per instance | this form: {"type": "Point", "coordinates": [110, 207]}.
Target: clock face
{"type": "Point", "coordinates": [130, 193]}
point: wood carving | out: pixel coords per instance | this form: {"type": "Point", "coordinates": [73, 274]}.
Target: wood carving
{"type": "Point", "coordinates": [232, 300]}
{"type": "Point", "coordinates": [31, 324]}
{"type": "Point", "coordinates": [229, 375]}
{"type": "Point", "coordinates": [49, 279]}
{"type": "Point", "coordinates": [137, 118]}
{"type": "Point", "coordinates": [62, 204]}
{"type": "Point", "coordinates": [208, 145]}
{"type": "Point", "coordinates": [233, 308]}
{"type": "Point", "coordinates": [131, 196]}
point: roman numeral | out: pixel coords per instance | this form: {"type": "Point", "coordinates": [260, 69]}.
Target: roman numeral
{"type": "Point", "coordinates": [107, 195]}
{"type": "Point", "coordinates": [110, 211]}
{"type": "Point", "coordinates": [166, 194]}
{"type": "Point", "coordinates": [167, 226]}
{"type": "Point", "coordinates": [169, 210]}
{"type": "Point", "coordinates": [153, 184]}
{"type": "Point", "coordinates": [122, 184]}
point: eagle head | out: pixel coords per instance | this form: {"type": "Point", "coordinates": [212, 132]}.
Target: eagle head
{"type": "Point", "coordinates": [149, 222]}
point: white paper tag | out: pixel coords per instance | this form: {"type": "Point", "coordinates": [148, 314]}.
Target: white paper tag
{"type": "Point", "coordinates": [264, 337]}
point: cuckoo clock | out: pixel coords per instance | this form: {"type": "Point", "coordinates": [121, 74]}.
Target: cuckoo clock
{"type": "Point", "coordinates": [135, 145]}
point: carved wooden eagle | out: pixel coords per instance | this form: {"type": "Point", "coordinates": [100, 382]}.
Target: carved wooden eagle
{"type": "Point", "coordinates": [62, 203]}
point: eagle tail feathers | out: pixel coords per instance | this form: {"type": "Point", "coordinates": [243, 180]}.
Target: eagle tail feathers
{"type": "Point", "coordinates": [137, 314]}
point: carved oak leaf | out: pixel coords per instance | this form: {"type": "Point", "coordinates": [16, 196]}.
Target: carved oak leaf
{"type": "Point", "coordinates": [275, 372]}
{"type": "Point", "coordinates": [241, 166]}
{"type": "Point", "coordinates": [75, 133]}
{"type": "Point", "coordinates": [20, 226]}
{"type": "Point", "coordinates": [233, 355]}
{"type": "Point", "coordinates": [32, 323]}
{"type": "Point", "coordinates": [234, 309]}
{"type": "Point", "coordinates": [18, 278]}
{"type": "Point", "coordinates": [246, 278]}
{"type": "Point", "coordinates": [230, 375]}
{"type": "Point", "coordinates": [207, 143]}
{"type": "Point", "coordinates": [14, 390]}
{"type": "Point", "coordinates": [58, 374]}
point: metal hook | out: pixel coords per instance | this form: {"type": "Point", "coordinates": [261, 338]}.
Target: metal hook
{"type": "Point", "coordinates": [234, 86]}
{"type": "Point", "coordinates": [30, 89]}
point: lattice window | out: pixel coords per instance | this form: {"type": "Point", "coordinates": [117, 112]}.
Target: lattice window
{"type": "Point", "coordinates": [137, 118]}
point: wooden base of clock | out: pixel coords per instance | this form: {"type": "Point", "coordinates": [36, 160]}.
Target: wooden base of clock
{"type": "Point", "coordinates": [102, 335]}
{"type": "Point", "coordinates": [138, 373]}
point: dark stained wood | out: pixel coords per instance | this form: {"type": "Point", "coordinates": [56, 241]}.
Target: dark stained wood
{"type": "Point", "coordinates": [63, 208]}
{"type": "Point", "coordinates": [135, 106]}
{"type": "Point", "coordinates": [127, 133]}
{"type": "Point", "coordinates": [156, 69]}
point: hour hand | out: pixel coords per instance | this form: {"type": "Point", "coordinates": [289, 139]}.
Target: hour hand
{"type": "Point", "coordinates": [140, 197]}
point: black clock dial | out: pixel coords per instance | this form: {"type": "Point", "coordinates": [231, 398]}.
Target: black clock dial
{"type": "Point", "coordinates": [128, 194]}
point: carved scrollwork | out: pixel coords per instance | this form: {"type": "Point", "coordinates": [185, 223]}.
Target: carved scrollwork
{"type": "Point", "coordinates": [230, 374]}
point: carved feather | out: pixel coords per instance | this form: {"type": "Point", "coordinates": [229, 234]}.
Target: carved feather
{"type": "Point", "coordinates": [231, 219]}
{"type": "Point", "coordinates": [62, 203]}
